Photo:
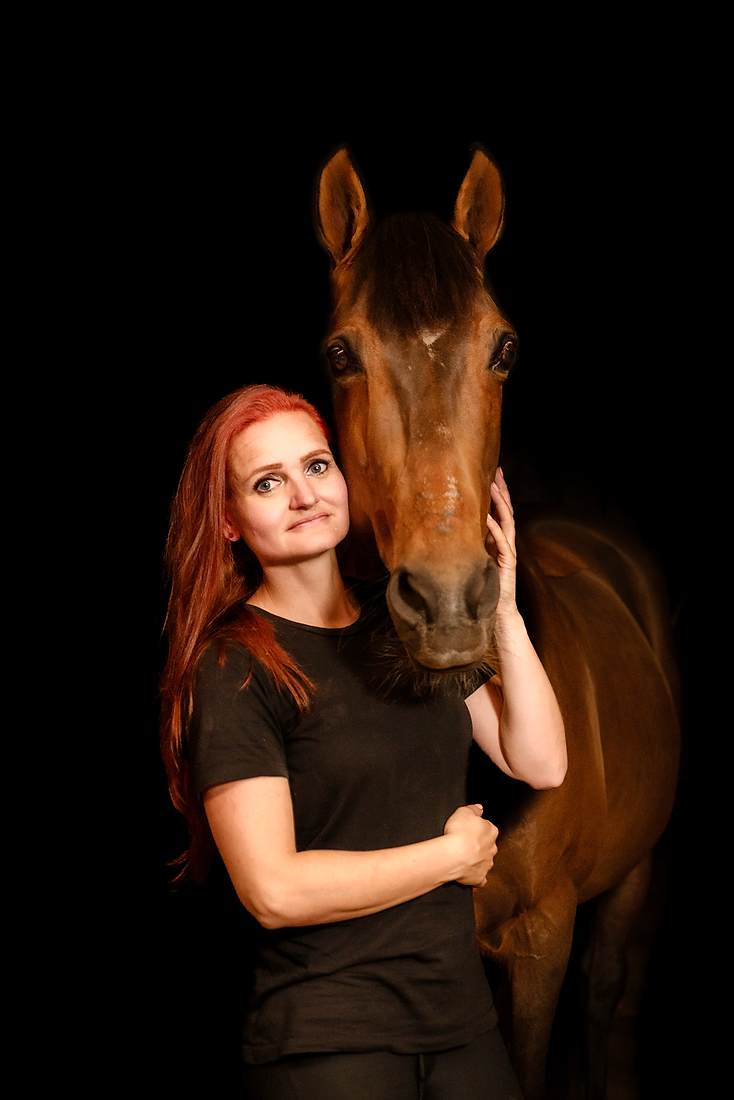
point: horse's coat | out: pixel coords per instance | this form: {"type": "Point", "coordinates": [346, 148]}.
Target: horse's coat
{"type": "Point", "coordinates": [419, 350]}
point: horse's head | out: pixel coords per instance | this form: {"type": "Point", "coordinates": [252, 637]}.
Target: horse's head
{"type": "Point", "coordinates": [419, 351]}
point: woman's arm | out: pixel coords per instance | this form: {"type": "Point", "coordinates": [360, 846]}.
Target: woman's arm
{"type": "Point", "coordinates": [252, 823]}
{"type": "Point", "coordinates": [515, 718]}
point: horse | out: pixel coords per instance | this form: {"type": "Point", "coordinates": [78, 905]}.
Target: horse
{"type": "Point", "coordinates": [419, 350]}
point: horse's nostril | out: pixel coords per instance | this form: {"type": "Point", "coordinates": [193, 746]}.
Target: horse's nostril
{"type": "Point", "coordinates": [410, 595]}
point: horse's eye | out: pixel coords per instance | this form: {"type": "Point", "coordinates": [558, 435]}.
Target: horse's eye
{"type": "Point", "coordinates": [507, 356]}
{"type": "Point", "coordinates": [338, 358]}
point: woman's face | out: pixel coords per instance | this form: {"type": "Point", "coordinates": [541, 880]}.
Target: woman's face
{"type": "Point", "coordinates": [287, 499]}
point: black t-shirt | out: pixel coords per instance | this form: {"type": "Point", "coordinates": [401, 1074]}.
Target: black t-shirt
{"type": "Point", "coordinates": [365, 772]}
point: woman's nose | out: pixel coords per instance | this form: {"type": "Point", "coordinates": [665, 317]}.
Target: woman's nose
{"type": "Point", "coordinates": [303, 493]}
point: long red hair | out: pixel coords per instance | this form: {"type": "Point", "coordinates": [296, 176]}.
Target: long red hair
{"type": "Point", "coordinates": [211, 580]}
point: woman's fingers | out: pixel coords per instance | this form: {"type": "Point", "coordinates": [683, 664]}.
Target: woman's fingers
{"type": "Point", "coordinates": [499, 480]}
{"type": "Point", "coordinates": [502, 527]}
{"type": "Point", "coordinates": [501, 502]}
{"type": "Point", "coordinates": [500, 541]}
{"type": "Point", "coordinates": [496, 540]}
{"type": "Point", "coordinates": [479, 838]}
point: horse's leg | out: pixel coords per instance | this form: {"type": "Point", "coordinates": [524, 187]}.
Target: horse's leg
{"type": "Point", "coordinates": [532, 955]}
{"type": "Point", "coordinates": [606, 969]}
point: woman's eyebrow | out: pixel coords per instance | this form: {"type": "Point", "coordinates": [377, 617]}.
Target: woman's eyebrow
{"type": "Point", "coordinates": [269, 466]}
{"type": "Point", "coordinates": [318, 451]}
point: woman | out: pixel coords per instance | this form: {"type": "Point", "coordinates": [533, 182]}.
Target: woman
{"type": "Point", "coordinates": [337, 809]}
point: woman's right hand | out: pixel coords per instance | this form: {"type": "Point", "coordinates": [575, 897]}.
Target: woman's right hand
{"type": "Point", "coordinates": [478, 838]}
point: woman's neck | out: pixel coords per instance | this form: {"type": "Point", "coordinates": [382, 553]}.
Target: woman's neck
{"type": "Point", "coordinates": [312, 593]}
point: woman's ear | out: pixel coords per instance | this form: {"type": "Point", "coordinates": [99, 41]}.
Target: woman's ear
{"type": "Point", "coordinates": [230, 531]}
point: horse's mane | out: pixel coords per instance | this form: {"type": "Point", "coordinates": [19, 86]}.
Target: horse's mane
{"type": "Point", "coordinates": [417, 272]}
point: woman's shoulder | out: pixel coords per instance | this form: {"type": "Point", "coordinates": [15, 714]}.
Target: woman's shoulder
{"type": "Point", "coordinates": [223, 659]}
{"type": "Point", "coordinates": [233, 644]}
{"type": "Point", "coordinates": [229, 676]}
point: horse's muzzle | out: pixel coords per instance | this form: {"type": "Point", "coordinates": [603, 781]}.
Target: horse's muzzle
{"type": "Point", "coordinates": [444, 618]}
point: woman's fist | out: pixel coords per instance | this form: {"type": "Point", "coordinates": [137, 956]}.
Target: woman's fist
{"type": "Point", "coordinates": [478, 845]}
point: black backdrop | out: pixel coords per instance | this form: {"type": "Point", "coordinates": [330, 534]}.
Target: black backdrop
{"type": "Point", "coordinates": [222, 282]}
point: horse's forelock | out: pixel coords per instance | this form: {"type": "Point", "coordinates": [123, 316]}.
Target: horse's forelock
{"type": "Point", "coordinates": [416, 272]}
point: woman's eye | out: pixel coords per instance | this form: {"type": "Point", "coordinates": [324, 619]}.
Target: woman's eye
{"type": "Point", "coordinates": [265, 485]}
{"type": "Point", "coordinates": [320, 466]}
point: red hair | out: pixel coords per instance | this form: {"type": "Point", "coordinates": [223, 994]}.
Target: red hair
{"type": "Point", "coordinates": [211, 580]}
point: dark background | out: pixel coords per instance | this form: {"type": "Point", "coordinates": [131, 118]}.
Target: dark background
{"type": "Point", "coordinates": [219, 281]}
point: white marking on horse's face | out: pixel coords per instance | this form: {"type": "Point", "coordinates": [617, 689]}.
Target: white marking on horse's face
{"type": "Point", "coordinates": [450, 496]}
{"type": "Point", "coordinates": [429, 339]}
{"type": "Point", "coordinates": [452, 489]}
{"type": "Point", "coordinates": [441, 505]}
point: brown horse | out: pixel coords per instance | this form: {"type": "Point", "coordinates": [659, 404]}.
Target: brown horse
{"type": "Point", "coordinates": [419, 351]}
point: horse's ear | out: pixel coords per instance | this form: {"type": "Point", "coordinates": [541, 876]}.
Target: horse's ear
{"type": "Point", "coordinates": [342, 212]}
{"type": "Point", "coordinates": [480, 206]}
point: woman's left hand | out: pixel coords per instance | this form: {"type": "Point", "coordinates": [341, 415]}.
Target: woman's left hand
{"type": "Point", "coordinates": [500, 542]}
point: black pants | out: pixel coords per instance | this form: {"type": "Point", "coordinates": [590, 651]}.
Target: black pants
{"type": "Point", "coordinates": [480, 1070]}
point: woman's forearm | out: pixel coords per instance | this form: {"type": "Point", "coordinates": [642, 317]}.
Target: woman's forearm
{"type": "Point", "coordinates": [252, 823]}
{"type": "Point", "coordinates": [515, 717]}
{"type": "Point", "coordinates": [319, 887]}
{"type": "Point", "coordinates": [531, 732]}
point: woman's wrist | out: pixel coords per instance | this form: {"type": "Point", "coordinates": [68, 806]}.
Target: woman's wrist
{"type": "Point", "coordinates": [508, 622]}
{"type": "Point", "coordinates": [454, 857]}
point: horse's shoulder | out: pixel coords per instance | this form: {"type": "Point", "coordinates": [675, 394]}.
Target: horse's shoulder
{"type": "Point", "coordinates": [599, 571]}
{"type": "Point", "coordinates": [563, 545]}
{"type": "Point", "coordinates": [564, 542]}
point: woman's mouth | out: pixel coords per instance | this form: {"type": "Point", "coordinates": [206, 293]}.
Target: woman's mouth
{"type": "Point", "coordinates": [308, 521]}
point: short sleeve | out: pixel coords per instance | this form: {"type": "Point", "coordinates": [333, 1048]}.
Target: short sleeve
{"type": "Point", "coordinates": [235, 732]}
{"type": "Point", "coordinates": [469, 682]}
